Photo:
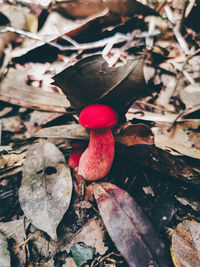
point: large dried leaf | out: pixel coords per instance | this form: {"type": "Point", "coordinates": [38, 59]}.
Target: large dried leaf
{"type": "Point", "coordinates": [14, 90]}
{"type": "Point", "coordinates": [129, 228]}
{"type": "Point", "coordinates": [134, 113]}
{"type": "Point", "coordinates": [15, 231]}
{"type": "Point", "coordinates": [186, 244]}
{"type": "Point", "coordinates": [91, 80]}
{"type": "Point", "coordinates": [177, 140]}
{"type": "Point", "coordinates": [71, 131]}
{"type": "Point", "coordinates": [190, 95]}
{"type": "Point", "coordinates": [5, 260]}
{"type": "Point", "coordinates": [46, 188]}
{"type": "Point", "coordinates": [85, 8]}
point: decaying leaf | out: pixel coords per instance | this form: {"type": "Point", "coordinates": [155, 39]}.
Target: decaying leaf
{"type": "Point", "coordinates": [14, 90]}
{"type": "Point", "coordinates": [186, 244]}
{"type": "Point", "coordinates": [91, 80]}
{"type": "Point", "coordinates": [129, 228]}
{"type": "Point", "coordinates": [5, 260]}
{"type": "Point", "coordinates": [84, 8]}
{"type": "Point", "coordinates": [177, 140]}
{"type": "Point", "coordinates": [79, 8]}
{"type": "Point", "coordinates": [82, 253]}
{"type": "Point", "coordinates": [140, 114]}
{"type": "Point", "coordinates": [190, 95]}
{"type": "Point", "coordinates": [71, 131]}
{"type": "Point", "coordinates": [132, 134]}
{"type": "Point", "coordinates": [15, 231]}
{"type": "Point", "coordinates": [46, 188]}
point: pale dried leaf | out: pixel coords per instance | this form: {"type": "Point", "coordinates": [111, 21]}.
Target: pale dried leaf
{"type": "Point", "coordinates": [14, 229]}
{"type": "Point", "coordinates": [5, 260]}
{"type": "Point", "coordinates": [71, 131]}
{"type": "Point", "coordinates": [46, 188]}
{"type": "Point", "coordinates": [92, 234]}
{"type": "Point", "coordinates": [14, 90]}
{"type": "Point", "coordinates": [177, 140]}
{"type": "Point", "coordinates": [190, 95]}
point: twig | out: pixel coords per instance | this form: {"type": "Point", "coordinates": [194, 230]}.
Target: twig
{"type": "Point", "coordinates": [180, 115]}
{"type": "Point", "coordinates": [161, 5]}
{"type": "Point", "coordinates": [183, 44]}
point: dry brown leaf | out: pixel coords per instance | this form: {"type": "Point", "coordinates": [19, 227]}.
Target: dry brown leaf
{"type": "Point", "coordinates": [132, 134]}
{"type": "Point", "coordinates": [85, 8]}
{"type": "Point", "coordinates": [186, 244]}
{"type": "Point", "coordinates": [129, 228]}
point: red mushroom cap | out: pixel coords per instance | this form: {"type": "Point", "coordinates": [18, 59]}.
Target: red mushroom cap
{"type": "Point", "coordinates": [97, 116]}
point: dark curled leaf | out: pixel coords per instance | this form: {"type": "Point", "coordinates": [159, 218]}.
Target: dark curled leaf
{"type": "Point", "coordinates": [91, 80]}
{"type": "Point", "coordinates": [129, 228]}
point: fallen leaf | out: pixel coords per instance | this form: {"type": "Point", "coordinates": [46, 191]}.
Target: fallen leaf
{"type": "Point", "coordinates": [14, 90]}
{"type": "Point", "coordinates": [79, 8]}
{"type": "Point", "coordinates": [186, 244]}
{"type": "Point", "coordinates": [13, 159]}
{"type": "Point", "coordinates": [190, 95]}
{"type": "Point", "coordinates": [91, 80]}
{"type": "Point", "coordinates": [71, 131]}
{"type": "Point", "coordinates": [46, 187]}
{"type": "Point", "coordinates": [42, 48]}
{"type": "Point", "coordinates": [82, 253]}
{"type": "Point", "coordinates": [85, 8]}
{"type": "Point", "coordinates": [31, 23]}
{"type": "Point", "coordinates": [14, 229]}
{"type": "Point", "coordinates": [133, 134]}
{"type": "Point", "coordinates": [5, 260]}
{"type": "Point", "coordinates": [177, 141]}
{"type": "Point", "coordinates": [129, 228]}
{"type": "Point", "coordinates": [140, 114]}
{"type": "Point", "coordinates": [41, 117]}
{"type": "Point", "coordinates": [129, 8]}
{"type": "Point", "coordinates": [92, 234]}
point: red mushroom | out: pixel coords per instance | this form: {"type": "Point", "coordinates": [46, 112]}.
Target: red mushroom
{"type": "Point", "coordinates": [74, 157]}
{"type": "Point", "coordinates": [97, 159]}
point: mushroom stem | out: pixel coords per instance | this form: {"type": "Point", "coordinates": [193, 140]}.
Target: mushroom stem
{"type": "Point", "coordinates": [97, 159]}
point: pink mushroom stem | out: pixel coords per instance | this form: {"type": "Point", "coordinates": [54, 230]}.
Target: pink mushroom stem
{"type": "Point", "coordinates": [97, 159]}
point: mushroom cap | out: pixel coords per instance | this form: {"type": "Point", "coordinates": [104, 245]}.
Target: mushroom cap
{"type": "Point", "coordinates": [97, 116]}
